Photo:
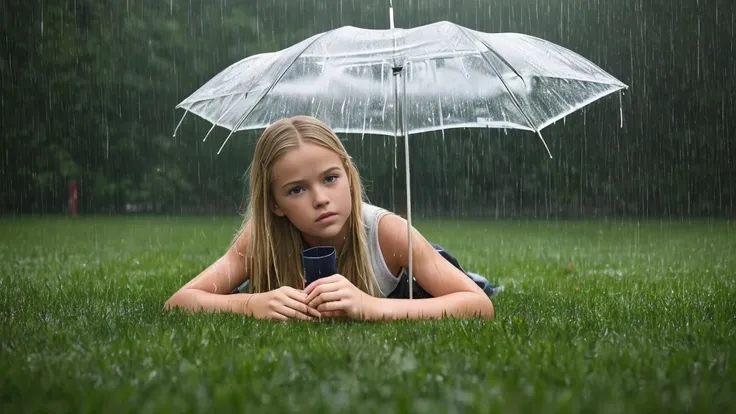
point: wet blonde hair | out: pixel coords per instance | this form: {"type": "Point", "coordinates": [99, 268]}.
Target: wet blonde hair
{"type": "Point", "coordinates": [273, 258]}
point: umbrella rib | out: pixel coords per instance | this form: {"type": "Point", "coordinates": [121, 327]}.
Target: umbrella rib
{"type": "Point", "coordinates": [582, 79]}
{"type": "Point", "coordinates": [210, 98]}
{"type": "Point", "coordinates": [266, 91]}
{"type": "Point", "coordinates": [214, 124]}
{"type": "Point", "coordinates": [505, 85]}
{"type": "Point", "coordinates": [205, 86]}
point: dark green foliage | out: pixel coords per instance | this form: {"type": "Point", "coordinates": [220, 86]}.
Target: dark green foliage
{"type": "Point", "coordinates": [89, 89]}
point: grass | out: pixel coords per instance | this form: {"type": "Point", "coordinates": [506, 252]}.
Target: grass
{"type": "Point", "coordinates": [597, 316]}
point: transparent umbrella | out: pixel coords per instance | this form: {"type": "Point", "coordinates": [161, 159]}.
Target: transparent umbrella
{"type": "Point", "coordinates": [399, 82]}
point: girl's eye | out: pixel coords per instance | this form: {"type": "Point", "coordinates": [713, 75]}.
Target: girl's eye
{"type": "Point", "coordinates": [330, 179]}
{"type": "Point", "coordinates": [295, 191]}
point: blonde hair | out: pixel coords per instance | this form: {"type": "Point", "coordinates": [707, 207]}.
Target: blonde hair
{"type": "Point", "coordinates": [274, 256]}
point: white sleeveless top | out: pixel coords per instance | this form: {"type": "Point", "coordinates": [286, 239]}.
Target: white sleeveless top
{"type": "Point", "coordinates": [385, 280]}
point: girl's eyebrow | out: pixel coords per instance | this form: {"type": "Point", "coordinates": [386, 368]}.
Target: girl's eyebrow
{"type": "Point", "coordinates": [331, 169]}
{"type": "Point", "coordinates": [327, 171]}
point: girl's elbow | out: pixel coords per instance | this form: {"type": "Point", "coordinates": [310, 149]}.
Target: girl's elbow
{"type": "Point", "coordinates": [176, 300]}
{"type": "Point", "coordinates": [485, 308]}
{"type": "Point", "coordinates": [490, 311]}
{"type": "Point", "coordinates": [170, 302]}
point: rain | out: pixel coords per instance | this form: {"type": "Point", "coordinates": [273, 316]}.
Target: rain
{"type": "Point", "coordinates": [102, 109]}
{"type": "Point", "coordinates": [579, 155]}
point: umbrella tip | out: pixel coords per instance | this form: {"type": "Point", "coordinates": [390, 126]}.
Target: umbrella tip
{"type": "Point", "coordinates": [391, 13]}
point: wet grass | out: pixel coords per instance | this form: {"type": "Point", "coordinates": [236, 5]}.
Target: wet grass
{"type": "Point", "coordinates": [597, 316]}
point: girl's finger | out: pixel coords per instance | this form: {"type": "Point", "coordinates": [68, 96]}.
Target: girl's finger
{"type": "Point", "coordinates": [325, 297]}
{"type": "Point", "coordinates": [308, 289]}
{"type": "Point", "coordinates": [301, 303]}
{"type": "Point", "coordinates": [296, 295]}
{"type": "Point", "coordinates": [290, 313]}
{"type": "Point", "coordinates": [278, 316]}
{"type": "Point", "coordinates": [301, 308]}
{"type": "Point", "coordinates": [304, 308]}
{"type": "Point", "coordinates": [296, 300]}
{"type": "Point", "coordinates": [321, 290]}
{"type": "Point", "coordinates": [331, 306]}
{"type": "Point", "coordinates": [332, 314]}
{"type": "Point", "coordinates": [321, 282]}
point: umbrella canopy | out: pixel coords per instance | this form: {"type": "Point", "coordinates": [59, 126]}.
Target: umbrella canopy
{"type": "Point", "coordinates": [454, 77]}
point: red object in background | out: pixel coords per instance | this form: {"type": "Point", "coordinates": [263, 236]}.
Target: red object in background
{"type": "Point", "coordinates": [73, 196]}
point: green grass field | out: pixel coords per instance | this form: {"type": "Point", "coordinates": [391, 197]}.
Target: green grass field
{"type": "Point", "coordinates": [597, 316]}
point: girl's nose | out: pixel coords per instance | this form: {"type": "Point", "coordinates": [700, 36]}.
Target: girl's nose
{"type": "Point", "coordinates": [320, 197]}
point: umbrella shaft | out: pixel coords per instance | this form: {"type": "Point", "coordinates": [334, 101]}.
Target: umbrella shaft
{"type": "Point", "coordinates": [408, 192]}
{"type": "Point", "coordinates": [400, 102]}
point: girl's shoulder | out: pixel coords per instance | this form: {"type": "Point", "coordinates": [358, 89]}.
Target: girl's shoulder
{"type": "Point", "coordinates": [371, 211]}
{"type": "Point", "coordinates": [388, 231]}
{"type": "Point", "coordinates": [378, 220]}
{"type": "Point", "coordinates": [383, 219]}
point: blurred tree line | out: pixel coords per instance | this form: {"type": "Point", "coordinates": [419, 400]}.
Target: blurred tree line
{"type": "Point", "coordinates": [88, 90]}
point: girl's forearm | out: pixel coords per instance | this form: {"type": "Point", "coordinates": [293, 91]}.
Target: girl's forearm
{"type": "Point", "coordinates": [460, 304]}
{"type": "Point", "coordinates": [197, 300]}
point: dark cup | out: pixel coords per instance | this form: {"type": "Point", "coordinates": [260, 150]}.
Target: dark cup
{"type": "Point", "coordinates": [319, 262]}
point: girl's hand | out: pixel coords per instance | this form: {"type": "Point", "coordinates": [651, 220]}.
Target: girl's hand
{"type": "Point", "coordinates": [335, 296]}
{"type": "Point", "coordinates": [333, 314]}
{"type": "Point", "coordinates": [283, 304]}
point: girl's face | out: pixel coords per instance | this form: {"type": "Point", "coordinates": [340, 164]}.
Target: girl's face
{"type": "Point", "coordinates": [311, 188]}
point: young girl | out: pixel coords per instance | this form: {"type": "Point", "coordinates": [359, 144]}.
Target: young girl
{"type": "Point", "coordinates": [305, 191]}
